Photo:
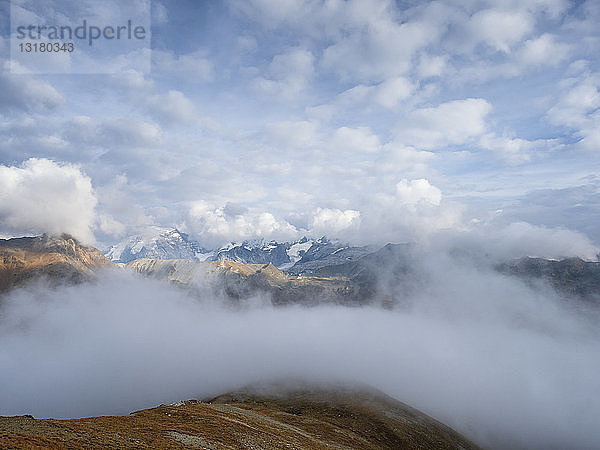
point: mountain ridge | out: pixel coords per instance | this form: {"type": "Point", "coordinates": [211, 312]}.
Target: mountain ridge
{"type": "Point", "coordinates": [170, 243]}
{"type": "Point", "coordinates": [265, 416]}
{"type": "Point", "coordinates": [56, 258]}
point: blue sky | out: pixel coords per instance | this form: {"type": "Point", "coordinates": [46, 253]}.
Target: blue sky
{"type": "Point", "coordinates": [369, 120]}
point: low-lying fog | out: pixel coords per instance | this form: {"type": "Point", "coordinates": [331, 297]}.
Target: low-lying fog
{"type": "Point", "coordinates": [508, 365]}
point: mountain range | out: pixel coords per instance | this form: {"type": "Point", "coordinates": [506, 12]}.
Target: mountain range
{"type": "Point", "coordinates": [170, 243]}
{"type": "Point", "coordinates": [315, 271]}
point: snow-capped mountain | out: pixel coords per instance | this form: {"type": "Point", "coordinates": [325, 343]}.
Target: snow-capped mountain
{"type": "Point", "coordinates": [165, 243]}
{"type": "Point", "coordinates": [281, 254]}
{"type": "Point", "coordinates": [324, 252]}
{"type": "Point", "coordinates": [159, 243]}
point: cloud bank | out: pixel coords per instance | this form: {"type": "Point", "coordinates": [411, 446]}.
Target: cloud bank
{"type": "Point", "coordinates": [508, 365]}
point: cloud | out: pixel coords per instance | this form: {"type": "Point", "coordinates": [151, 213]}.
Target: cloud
{"type": "Point", "coordinates": [544, 50]}
{"type": "Point", "coordinates": [577, 109]}
{"type": "Point", "coordinates": [450, 123]}
{"type": "Point", "coordinates": [387, 94]}
{"type": "Point", "coordinates": [131, 132]}
{"type": "Point", "coordinates": [287, 75]}
{"type": "Point", "coordinates": [501, 242]}
{"type": "Point", "coordinates": [194, 67]}
{"type": "Point", "coordinates": [384, 50]}
{"type": "Point", "coordinates": [354, 140]}
{"type": "Point", "coordinates": [173, 107]}
{"type": "Point", "coordinates": [499, 29]}
{"type": "Point", "coordinates": [512, 149]}
{"type": "Point", "coordinates": [332, 222]}
{"type": "Point", "coordinates": [217, 225]}
{"type": "Point", "coordinates": [412, 192]}
{"type": "Point", "coordinates": [27, 93]}
{"type": "Point", "coordinates": [43, 196]}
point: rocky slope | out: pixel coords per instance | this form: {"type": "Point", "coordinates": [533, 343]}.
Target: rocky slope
{"type": "Point", "coordinates": [307, 417]}
{"type": "Point", "coordinates": [59, 259]}
{"type": "Point", "coordinates": [239, 281]}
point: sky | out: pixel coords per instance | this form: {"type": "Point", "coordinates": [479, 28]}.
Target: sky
{"type": "Point", "coordinates": [372, 121]}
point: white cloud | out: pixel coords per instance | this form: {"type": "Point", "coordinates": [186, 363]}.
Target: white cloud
{"type": "Point", "coordinates": [354, 140]}
{"type": "Point", "coordinates": [193, 67]}
{"type": "Point", "coordinates": [450, 123]}
{"type": "Point", "coordinates": [431, 66]}
{"type": "Point", "coordinates": [333, 221]}
{"type": "Point", "coordinates": [499, 29]}
{"type": "Point", "coordinates": [172, 107]}
{"type": "Point", "coordinates": [383, 51]}
{"type": "Point", "coordinates": [512, 149]}
{"type": "Point", "coordinates": [518, 239]}
{"type": "Point", "coordinates": [577, 109]}
{"type": "Point", "coordinates": [109, 225]}
{"type": "Point", "coordinates": [43, 196]}
{"type": "Point", "coordinates": [293, 134]}
{"type": "Point", "coordinates": [130, 132]}
{"type": "Point", "coordinates": [544, 50]}
{"type": "Point", "coordinates": [26, 93]}
{"type": "Point", "coordinates": [287, 75]}
{"type": "Point", "coordinates": [416, 191]}
{"type": "Point", "coordinates": [216, 225]}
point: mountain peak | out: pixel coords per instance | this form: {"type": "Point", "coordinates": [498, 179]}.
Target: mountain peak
{"type": "Point", "coordinates": [57, 257]}
{"type": "Point", "coordinates": [158, 243]}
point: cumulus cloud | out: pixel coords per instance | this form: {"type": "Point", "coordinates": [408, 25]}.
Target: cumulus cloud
{"type": "Point", "coordinates": [218, 225]}
{"type": "Point", "coordinates": [334, 221]}
{"type": "Point", "coordinates": [449, 123]}
{"type": "Point", "coordinates": [499, 29]}
{"type": "Point", "coordinates": [544, 50]}
{"type": "Point", "coordinates": [287, 75]}
{"type": "Point", "coordinates": [416, 191]}
{"type": "Point", "coordinates": [42, 196]}
{"type": "Point", "coordinates": [577, 108]}
{"type": "Point", "coordinates": [27, 93]}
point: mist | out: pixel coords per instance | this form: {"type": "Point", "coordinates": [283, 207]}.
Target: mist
{"type": "Point", "coordinates": [507, 364]}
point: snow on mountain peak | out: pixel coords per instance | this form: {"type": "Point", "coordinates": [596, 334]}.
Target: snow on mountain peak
{"type": "Point", "coordinates": [170, 243]}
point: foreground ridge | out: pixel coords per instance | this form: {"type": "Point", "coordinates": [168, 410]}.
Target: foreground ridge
{"type": "Point", "coordinates": [307, 417]}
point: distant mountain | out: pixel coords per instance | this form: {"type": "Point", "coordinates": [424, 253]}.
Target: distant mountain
{"type": "Point", "coordinates": [325, 253]}
{"type": "Point", "coordinates": [317, 270]}
{"type": "Point", "coordinates": [236, 282]}
{"type": "Point", "coordinates": [283, 255]}
{"type": "Point", "coordinates": [158, 243]}
{"type": "Point", "coordinates": [257, 252]}
{"type": "Point", "coordinates": [165, 243]}
{"type": "Point", "coordinates": [59, 259]}
{"type": "Point", "coordinates": [571, 276]}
